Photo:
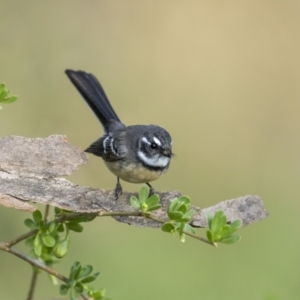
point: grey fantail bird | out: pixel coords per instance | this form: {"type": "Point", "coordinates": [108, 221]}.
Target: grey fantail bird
{"type": "Point", "coordinates": [136, 154]}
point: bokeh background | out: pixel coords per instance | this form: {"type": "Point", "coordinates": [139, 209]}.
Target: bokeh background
{"type": "Point", "coordinates": [223, 78]}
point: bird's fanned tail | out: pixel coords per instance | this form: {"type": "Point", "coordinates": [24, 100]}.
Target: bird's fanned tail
{"type": "Point", "coordinates": [92, 92]}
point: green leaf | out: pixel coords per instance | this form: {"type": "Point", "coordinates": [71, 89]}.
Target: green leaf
{"type": "Point", "coordinates": [226, 231]}
{"type": "Point", "coordinates": [187, 216]}
{"type": "Point", "coordinates": [4, 98]}
{"type": "Point", "coordinates": [85, 271]}
{"type": "Point", "coordinates": [37, 216]}
{"type": "Point", "coordinates": [63, 290]}
{"type": "Point", "coordinates": [2, 87]}
{"type": "Point", "coordinates": [153, 200]}
{"type": "Point", "coordinates": [48, 240]}
{"type": "Point", "coordinates": [61, 228]}
{"type": "Point", "coordinates": [175, 215]}
{"type": "Point", "coordinates": [158, 206]}
{"type": "Point", "coordinates": [75, 269]}
{"type": "Point", "coordinates": [143, 193]}
{"type": "Point", "coordinates": [189, 228]}
{"type": "Point", "coordinates": [90, 278]}
{"type": "Point", "coordinates": [144, 207]}
{"type": "Point", "coordinates": [61, 249]}
{"type": "Point", "coordinates": [11, 99]}
{"type": "Point", "coordinates": [172, 205]}
{"type": "Point", "coordinates": [97, 294]}
{"type": "Point", "coordinates": [209, 236]}
{"type": "Point", "coordinates": [183, 208]}
{"type": "Point", "coordinates": [3, 95]}
{"type": "Point", "coordinates": [236, 225]}
{"type": "Point", "coordinates": [223, 220]}
{"type": "Point", "coordinates": [218, 222]}
{"type": "Point", "coordinates": [182, 237]}
{"type": "Point", "coordinates": [58, 211]}
{"type": "Point", "coordinates": [180, 227]}
{"type": "Point", "coordinates": [135, 202]}
{"type": "Point", "coordinates": [83, 219]}
{"type": "Point", "coordinates": [209, 219]}
{"type": "Point", "coordinates": [53, 279]}
{"type": "Point", "coordinates": [176, 204]}
{"type": "Point", "coordinates": [79, 287]}
{"type": "Point", "coordinates": [75, 227]}
{"type": "Point", "coordinates": [74, 294]}
{"type": "Point", "coordinates": [231, 239]}
{"type": "Point", "coordinates": [168, 227]}
{"type": "Point", "coordinates": [185, 199]}
{"type": "Point", "coordinates": [30, 224]}
{"type": "Point", "coordinates": [52, 226]}
{"type": "Point", "coordinates": [37, 245]}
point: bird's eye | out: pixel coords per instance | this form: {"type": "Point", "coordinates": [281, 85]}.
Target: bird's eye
{"type": "Point", "coordinates": [153, 146]}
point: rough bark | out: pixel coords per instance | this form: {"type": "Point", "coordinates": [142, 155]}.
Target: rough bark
{"type": "Point", "coordinates": [30, 171]}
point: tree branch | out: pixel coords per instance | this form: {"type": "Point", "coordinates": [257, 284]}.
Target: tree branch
{"type": "Point", "coordinates": [30, 170]}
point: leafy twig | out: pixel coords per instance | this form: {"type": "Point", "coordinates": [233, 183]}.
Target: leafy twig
{"type": "Point", "coordinates": [37, 264]}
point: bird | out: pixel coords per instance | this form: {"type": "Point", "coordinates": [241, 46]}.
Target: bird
{"type": "Point", "coordinates": [136, 153]}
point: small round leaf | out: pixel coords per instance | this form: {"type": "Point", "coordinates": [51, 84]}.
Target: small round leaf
{"type": "Point", "coordinates": [135, 202]}
{"type": "Point", "coordinates": [30, 223]}
{"type": "Point", "coordinates": [75, 227]}
{"type": "Point", "coordinates": [168, 227]}
{"type": "Point", "coordinates": [37, 216]}
{"type": "Point", "coordinates": [63, 290]}
{"type": "Point", "coordinates": [48, 240]}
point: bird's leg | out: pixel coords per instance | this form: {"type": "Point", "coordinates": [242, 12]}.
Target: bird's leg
{"type": "Point", "coordinates": [118, 190]}
{"type": "Point", "coordinates": [152, 190]}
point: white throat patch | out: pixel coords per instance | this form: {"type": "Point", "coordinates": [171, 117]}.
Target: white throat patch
{"type": "Point", "coordinates": [154, 161]}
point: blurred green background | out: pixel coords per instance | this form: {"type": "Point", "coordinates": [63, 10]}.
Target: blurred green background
{"type": "Point", "coordinates": [223, 78]}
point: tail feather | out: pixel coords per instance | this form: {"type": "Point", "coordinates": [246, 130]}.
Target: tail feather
{"type": "Point", "coordinates": [92, 92]}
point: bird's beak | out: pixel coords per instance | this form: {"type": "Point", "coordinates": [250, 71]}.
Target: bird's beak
{"type": "Point", "coordinates": [166, 153]}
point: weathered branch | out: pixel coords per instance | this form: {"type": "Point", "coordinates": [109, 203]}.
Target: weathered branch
{"type": "Point", "coordinates": [30, 171]}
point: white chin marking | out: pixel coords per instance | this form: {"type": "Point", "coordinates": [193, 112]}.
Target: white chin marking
{"type": "Point", "coordinates": [155, 161]}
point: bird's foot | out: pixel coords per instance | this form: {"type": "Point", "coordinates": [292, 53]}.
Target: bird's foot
{"type": "Point", "coordinates": [118, 190]}
{"type": "Point", "coordinates": [152, 190]}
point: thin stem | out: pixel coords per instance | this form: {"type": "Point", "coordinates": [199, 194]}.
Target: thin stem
{"type": "Point", "coordinates": [32, 284]}
{"type": "Point", "coordinates": [35, 273]}
{"type": "Point", "coordinates": [46, 213]}
{"type": "Point", "coordinates": [198, 238]}
{"type": "Point", "coordinates": [21, 238]}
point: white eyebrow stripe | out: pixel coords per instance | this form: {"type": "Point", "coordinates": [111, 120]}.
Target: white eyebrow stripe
{"type": "Point", "coordinates": [144, 139]}
{"type": "Point", "coordinates": [157, 141]}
